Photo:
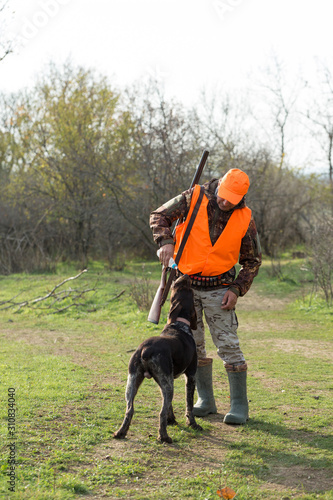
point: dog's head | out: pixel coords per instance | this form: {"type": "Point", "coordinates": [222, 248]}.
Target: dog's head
{"type": "Point", "coordinates": [181, 302]}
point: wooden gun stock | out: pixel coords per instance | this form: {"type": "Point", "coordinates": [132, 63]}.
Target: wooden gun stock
{"type": "Point", "coordinates": [155, 310]}
{"type": "Point", "coordinates": [164, 287]}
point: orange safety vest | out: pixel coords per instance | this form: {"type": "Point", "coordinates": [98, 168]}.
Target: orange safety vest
{"type": "Point", "coordinates": [199, 255]}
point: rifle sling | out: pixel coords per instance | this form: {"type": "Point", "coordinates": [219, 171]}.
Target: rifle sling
{"type": "Point", "coordinates": [182, 245]}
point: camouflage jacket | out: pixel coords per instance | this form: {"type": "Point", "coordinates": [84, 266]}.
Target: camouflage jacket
{"type": "Point", "coordinates": [162, 219]}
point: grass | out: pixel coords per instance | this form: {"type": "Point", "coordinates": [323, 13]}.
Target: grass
{"type": "Point", "coordinates": [69, 372]}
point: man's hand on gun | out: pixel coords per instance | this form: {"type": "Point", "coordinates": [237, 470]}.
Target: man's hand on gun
{"type": "Point", "coordinates": [166, 253]}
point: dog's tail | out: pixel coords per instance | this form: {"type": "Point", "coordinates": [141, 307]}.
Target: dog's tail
{"type": "Point", "coordinates": [146, 355]}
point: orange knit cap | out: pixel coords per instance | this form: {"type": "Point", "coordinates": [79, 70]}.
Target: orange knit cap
{"type": "Point", "coordinates": [233, 186]}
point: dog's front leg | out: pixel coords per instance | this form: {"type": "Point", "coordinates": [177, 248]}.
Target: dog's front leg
{"type": "Point", "coordinates": [134, 381]}
{"type": "Point", "coordinates": [190, 387]}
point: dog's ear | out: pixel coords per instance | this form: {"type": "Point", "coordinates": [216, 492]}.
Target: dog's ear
{"type": "Point", "coordinates": [175, 309]}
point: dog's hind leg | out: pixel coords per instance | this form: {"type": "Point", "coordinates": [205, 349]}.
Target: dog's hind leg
{"type": "Point", "coordinates": [190, 387]}
{"type": "Point", "coordinates": [171, 417]}
{"type": "Point", "coordinates": [167, 394]}
{"type": "Point", "coordinates": [134, 381]}
{"type": "Point", "coordinates": [165, 382]}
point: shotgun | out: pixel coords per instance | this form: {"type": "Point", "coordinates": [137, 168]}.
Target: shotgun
{"type": "Point", "coordinates": [164, 287]}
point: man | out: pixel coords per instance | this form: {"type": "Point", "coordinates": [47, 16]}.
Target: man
{"type": "Point", "coordinates": [223, 233]}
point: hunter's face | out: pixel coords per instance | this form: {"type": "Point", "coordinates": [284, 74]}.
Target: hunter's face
{"type": "Point", "coordinates": [224, 205]}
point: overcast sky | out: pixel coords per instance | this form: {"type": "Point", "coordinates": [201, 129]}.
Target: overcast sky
{"type": "Point", "coordinates": [186, 44]}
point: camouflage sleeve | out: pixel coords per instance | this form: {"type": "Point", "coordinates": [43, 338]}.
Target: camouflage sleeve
{"type": "Point", "coordinates": [249, 259]}
{"type": "Point", "coordinates": [162, 218]}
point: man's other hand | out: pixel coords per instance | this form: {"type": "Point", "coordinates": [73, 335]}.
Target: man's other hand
{"type": "Point", "coordinates": [229, 300]}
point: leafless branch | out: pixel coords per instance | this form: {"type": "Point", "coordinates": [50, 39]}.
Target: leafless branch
{"type": "Point", "coordinates": [51, 293]}
{"type": "Point", "coordinates": [5, 46]}
{"type": "Point", "coordinates": [58, 296]}
{"type": "Point", "coordinates": [75, 295]}
{"type": "Point", "coordinates": [117, 296]}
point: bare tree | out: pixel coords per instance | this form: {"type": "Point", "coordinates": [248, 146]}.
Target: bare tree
{"type": "Point", "coordinates": [164, 157]}
{"type": "Point", "coordinates": [322, 256]}
{"type": "Point", "coordinates": [278, 195]}
{"type": "Point", "coordinates": [320, 115]}
{"type": "Point", "coordinates": [225, 124]}
{"type": "Point", "coordinates": [5, 45]}
{"type": "Point", "coordinates": [280, 200]}
{"type": "Point", "coordinates": [280, 96]}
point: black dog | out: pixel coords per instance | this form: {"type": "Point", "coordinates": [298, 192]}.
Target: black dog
{"type": "Point", "coordinates": [165, 358]}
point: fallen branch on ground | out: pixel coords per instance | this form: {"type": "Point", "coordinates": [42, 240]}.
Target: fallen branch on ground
{"type": "Point", "coordinates": [116, 296]}
{"type": "Point", "coordinates": [74, 296]}
{"type": "Point", "coordinates": [57, 296]}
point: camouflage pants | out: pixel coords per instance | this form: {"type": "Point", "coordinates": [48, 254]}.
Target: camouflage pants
{"type": "Point", "coordinates": [222, 326]}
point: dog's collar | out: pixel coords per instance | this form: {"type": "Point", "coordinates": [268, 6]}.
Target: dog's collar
{"type": "Point", "coordinates": [186, 321]}
{"type": "Point", "coordinates": [180, 325]}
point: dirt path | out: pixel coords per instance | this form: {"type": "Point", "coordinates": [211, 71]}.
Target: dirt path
{"type": "Point", "coordinates": [252, 301]}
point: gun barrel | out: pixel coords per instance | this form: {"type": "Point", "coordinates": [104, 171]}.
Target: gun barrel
{"type": "Point", "coordinates": [196, 179]}
{"type": "Point", "coordinates": [200, 168]}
